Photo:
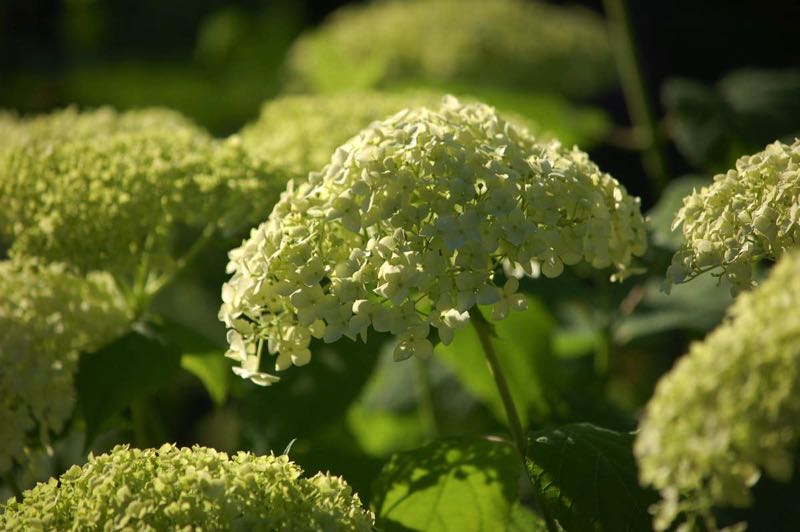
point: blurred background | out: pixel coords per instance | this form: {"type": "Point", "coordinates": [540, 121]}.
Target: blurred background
{"type": "Point", "coordinates": [720, 78]}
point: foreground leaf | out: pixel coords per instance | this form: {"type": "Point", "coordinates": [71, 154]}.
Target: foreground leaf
{"type": "Point", "coordinates": [458, 484]}
{"type": "Point", "coordinates": [588, 478]}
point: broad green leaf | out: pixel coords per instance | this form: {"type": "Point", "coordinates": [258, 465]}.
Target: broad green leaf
{"type": "Point", "coordinates": [696, 306]}
{"type": "Point", "coordinates": [122, 373]}
{"type": "Point", "coordinates": [202, 358]}
{"type": "Point", "coordinates": [458, 484]}
{"type": "Point", "coordinates": [662, 215]}
{"type": "Point", "coordinates": [587, 478]}
{"type": "Point", "coordinates": [523, 342]}
{"type": "Point", "coordinates": [747, 109]}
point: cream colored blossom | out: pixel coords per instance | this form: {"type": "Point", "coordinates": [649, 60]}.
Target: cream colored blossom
{"type": "Point", "coordinates": [185, 489]}
{"type": "Point", "coordinates": [512, 44]}
{"type": "Point", "coordinates": [730, 409]}
{"type": "Point", "coordinates": [750, 213]}
{"type": "Point", "coordinates": [406, 228]}
{"type": "Point", "coordinates": [47, 316]}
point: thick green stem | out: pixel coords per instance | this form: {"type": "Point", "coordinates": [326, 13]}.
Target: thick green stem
{"type": "Point", "coordinates": [427, 412]}
{"type": "Point", "coordinates": [484, 336]}
{"type": "Point", "coordinates": [636, 94]}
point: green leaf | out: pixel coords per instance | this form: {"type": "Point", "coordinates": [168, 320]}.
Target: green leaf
{"type": "Point", "coordinates": [712, 126]}
{"type": "Point", "coordinates": [588, 479]}
{"type": "Point", "coordinates": [129, 369]}
{"type": "Point", "coordinates": [696, 306]}
{"type": "Point", "coordinates": [457, 484]}
{"type": "Point", "coordinates": [202, 358]}
{"type": "Point", "coordinates": [523, 343]}
{"type": "Point", "coordinates": [662, 215]}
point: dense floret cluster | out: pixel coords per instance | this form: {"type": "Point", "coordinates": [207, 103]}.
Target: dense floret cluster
{"type": "Point", "coordinates": [730, 409]}
{"type": "Point", "coordinates": [406, 228]}
{"type": "Point", "coordinates": [70, 177]}
{"type": "Point", "coordinates": [185, 489]}
{"type": "Point", "coordinates": [506, 43]}
{"type": "Point", "coordinates": [748, 214]}
{"type": "Point", "coordinates": [47, 315]}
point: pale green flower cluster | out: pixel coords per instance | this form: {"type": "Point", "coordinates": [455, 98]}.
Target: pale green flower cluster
{"type": "Point", "coordinates": [730, 408]}
{"type": "Point", "coordinates": [47, 315]}
{"type": "Point", "coordinates": [404, 231]}
{"type": "Point", "coordinates": [297, 134]}
{"type": "Point", "coordinates": [748, 214]}
{"type": "Point", "coordinates": [103, 190]}
{"type": "Point", "coordinates": [185, 489]}
{"type": "Point", "coordinates": [506, 43]}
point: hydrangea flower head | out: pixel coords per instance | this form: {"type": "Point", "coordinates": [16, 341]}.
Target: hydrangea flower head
{"type": "Point", "coordinates": [511, 44]}
{"type": "Point", "coordinates": [95, 189]}
{"type": "Point", "coordinates": [47, 316]}
{"type": "Point", "coordinates": [730, 408]}
{"type": "Point", "coordinates": [405, 229]}
{"type": "Point", "coordinates": [750, 213]}
{"type": "Point", "coordinates": [175, 488]}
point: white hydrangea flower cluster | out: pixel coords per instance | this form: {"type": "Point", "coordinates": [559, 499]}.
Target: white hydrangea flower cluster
{"type": "Point", "coordinates": [47, 316]}
{"type": "Point", "coordinates": [512, 44]}
{"type": "Point", "coordinates": [730, 408]}
{"type": "Point", "coordinates": [296, 134]}
{"type": "Point", "coordinates": [181, 489]}
{"type": "Point", "coordinates": [101, 190]}
{"type": "Point", "coordinates": [405, 229]}
{"type": "Point", "coordinates": [748, 214]}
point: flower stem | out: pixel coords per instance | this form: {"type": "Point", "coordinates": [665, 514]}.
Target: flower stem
{"type": "Point", "coordinates": [514, 423]}
{"type": "Point", "coordinates": [427, 412]}
{"type": "Point", "coordinates": [483, 330]}
{"type": "Point", "coordinates": [636, 94]}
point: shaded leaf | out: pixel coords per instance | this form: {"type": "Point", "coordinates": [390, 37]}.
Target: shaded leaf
{"type": "Point", "coordinates": [127, 370]}
{"type": "Point", "coordinates": [588, 478]}
{"type": "Point", "coordinates": [696, 306]}
{"type": "Point", "coordinates": [747, 109]}
{"type": "Point", "coordinates": [662, 215]}
{"type": "Point", "coordinates": [202, 358]}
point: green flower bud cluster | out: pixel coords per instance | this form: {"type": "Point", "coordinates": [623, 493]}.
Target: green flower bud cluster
{"type": "Point", "coordinates": [730, 408]}
{"type": "Point", "coordinates": [47, 315]}
{"type": "Point", "coordinates": [185, 489]}
{"type": "Point", "coordinates": [103, 190]}
{"type": "Point", "coordinates": [405, 228]}
{"type": "Point", "coordinates": [748, 214]}
{"type": "Point", "coordinates": [508, 43]}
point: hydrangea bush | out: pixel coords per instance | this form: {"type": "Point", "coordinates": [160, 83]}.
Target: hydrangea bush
{"type": "Point", "coordinates": [173, 488]}
{"type": "Point", "coordinates": [730, 409]}
{"type": "Point", "coordinates": [407, 228]}
{"type": "Point", "coordinates": [750, 213]}
{"type": "Point", "coordinates": [68, 177]}
{"type": "Point", "coordinates": [47, 316]}
{"type": "Point", "coordinates": [507, 43]}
